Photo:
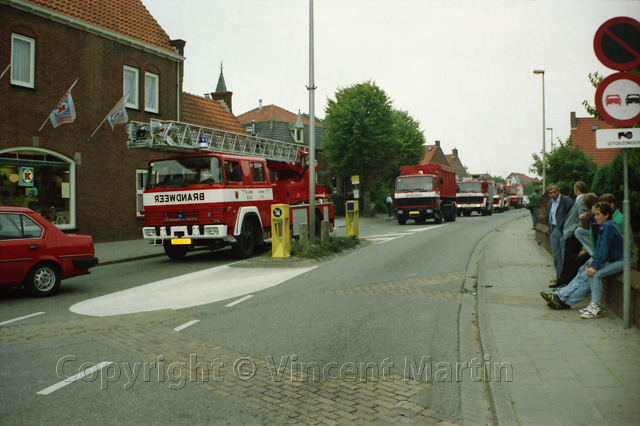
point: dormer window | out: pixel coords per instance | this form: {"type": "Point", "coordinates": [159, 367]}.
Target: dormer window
{"type": "Point", "coordinates": [298, 135]}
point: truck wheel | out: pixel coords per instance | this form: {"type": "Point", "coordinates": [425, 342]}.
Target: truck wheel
{"type": "Point", "coordinates": [438, 215]}
{"type": "Point", "coordinates": [454, 213]}
{"type": "Point", "coordinates": [489, 211]}
{"type": "Point", "coordinates": [401, 220]}
{"type": "Point", "coordinates": [43, 279]}
{"type": "Point", "coordinates": [175, 252]}
{"type": "Point", "coordinates": [246, 241]}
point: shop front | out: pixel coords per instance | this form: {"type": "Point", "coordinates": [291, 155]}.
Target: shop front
{"type": "Point", "coordinates": [40, 179]}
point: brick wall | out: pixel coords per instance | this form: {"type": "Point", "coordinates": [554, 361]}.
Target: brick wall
{"type": "Point", "coordinates": [105, 174]}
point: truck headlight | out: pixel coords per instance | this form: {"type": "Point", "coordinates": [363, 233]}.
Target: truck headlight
{"type": "Point", "coordinates": [211, 231]}
{"type": "Point", "coordinates": [149, 232]}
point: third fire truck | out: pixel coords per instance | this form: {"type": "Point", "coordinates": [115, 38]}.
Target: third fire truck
{"type": "Point", "coordinates": [514, 195]}
{"type": "Point", "coordinates": [217, 190]}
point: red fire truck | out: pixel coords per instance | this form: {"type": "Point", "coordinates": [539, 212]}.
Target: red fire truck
{"type": "Point", "coordinates": [514, 195]}
{"type": "Point", "coordinates": [218, 191]}
{"type": "Point", "coordinates": [475, 196]}
{"type": "Point", "coordinates": [426, 191]}
{"type": "Point", "coordinates": [499, 202]}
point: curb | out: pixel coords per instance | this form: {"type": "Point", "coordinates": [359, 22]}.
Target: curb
{"type": "Point", "coordinates": [501, 407]}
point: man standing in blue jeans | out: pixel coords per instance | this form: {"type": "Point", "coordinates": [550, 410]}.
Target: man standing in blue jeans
{"type": "Point", "coordinates": [558, 209]}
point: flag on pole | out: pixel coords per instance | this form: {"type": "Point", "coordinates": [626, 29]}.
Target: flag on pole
{"type": "Point", "coordinates": [5, 71]}
{"type": "Point", "coordinates": [64, 112]}
{"type": "Point", "coordinates": [118, 114]}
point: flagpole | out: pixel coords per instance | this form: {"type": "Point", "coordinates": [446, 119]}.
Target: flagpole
{"type": "Point", "coordinates": [5, 71]}
{"type": "Point", "coordinates": [105, 119]}
{"type": "Point", "coordinates": [54, 108]}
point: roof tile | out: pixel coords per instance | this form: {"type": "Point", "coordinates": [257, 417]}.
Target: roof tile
{"type": "Point", "coordinates": [127, 17]}
{"type": "Point", "coordinates": [208, 113]}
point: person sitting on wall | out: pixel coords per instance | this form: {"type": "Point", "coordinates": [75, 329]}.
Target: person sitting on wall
{"type": "Point", "coordinates": [607, 260]}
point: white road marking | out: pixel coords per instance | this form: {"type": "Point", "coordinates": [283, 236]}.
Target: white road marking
{"type": "Point", "coordinates": [21, 318]}
{"type": "Point", "coordinates": [194, 289]}
{"type": "Point", "coordinates": [186, 324]}
{"type": "Point", "coordinates": [248, 296]}
{"type": "Point", "coordinates": [383, 238]}
{"type": "Point", "coordinates": [72, 379]}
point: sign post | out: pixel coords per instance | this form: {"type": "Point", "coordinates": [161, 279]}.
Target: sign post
{"type": "Point", "coordinates": [617, 46]}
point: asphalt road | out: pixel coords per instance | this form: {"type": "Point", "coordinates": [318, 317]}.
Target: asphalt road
{"type": "Point", "coordinates": [389, 309]}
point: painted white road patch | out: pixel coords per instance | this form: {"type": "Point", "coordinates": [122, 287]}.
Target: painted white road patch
{"type": "Point", "coordinates": [195, 289]}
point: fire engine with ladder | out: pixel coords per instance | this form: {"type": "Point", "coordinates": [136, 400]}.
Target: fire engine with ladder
{"type": "Point", "coordinates": [216, 189]}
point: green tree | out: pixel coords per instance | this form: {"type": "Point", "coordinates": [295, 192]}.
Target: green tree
{"type": "Point", "coordinates": [565, 166]}
{"type": "Point", "coordinates": [410, 138]}
{"type": "Point", "coordinates": [361, 136]}
{"type": "Point", "coordinates": [610, 180]}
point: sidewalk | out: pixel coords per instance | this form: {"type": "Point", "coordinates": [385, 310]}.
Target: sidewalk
{"type": "Point", "coordinates": [566, 370]}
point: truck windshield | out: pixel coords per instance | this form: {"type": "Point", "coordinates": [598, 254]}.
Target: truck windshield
{"type": "Point", "coordinates": [470, 187]}
{"type": "Point", "coordinates": [414, 183]}
{"type": "Point", "coordinates": [182, 172]}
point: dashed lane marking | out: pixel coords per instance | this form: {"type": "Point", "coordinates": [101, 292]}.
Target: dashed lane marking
{"type": "Point", "coordinates": [383, 238]}
{"type": "Point", "coordinates": [69, 380]}
{"type": "Point", "coordinates": [186, 324]}
{"type": "Point", "coordinates": [21, 318]}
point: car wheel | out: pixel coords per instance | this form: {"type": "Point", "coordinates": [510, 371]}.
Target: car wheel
{"type": "Point", "coordinates": [401, 221]}
{"type": "Point", "coordinates": [246, 241]}
{"type": "Point", "coordinates": [176, 252]}
{"type": "Point", "coordinates": [43, 279]}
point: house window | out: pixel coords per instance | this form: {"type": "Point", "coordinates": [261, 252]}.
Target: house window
{"type": "Point", "coordinates": [141, 177]}
{"type": "Point", "coordinates": [22, 60]}
{"type": "Point", "coordinates": [130, 85]}
{"type": "Point", "coordinates": [298, 135]}
{"type": "Point", "coordinates": [151, 92]}
{"type": "Point", "coordinates": [50, 189]}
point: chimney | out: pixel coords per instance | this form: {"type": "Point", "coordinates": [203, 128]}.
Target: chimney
{"type": "Point", "coordinates": [574, 121]}
{"type": "Point", "coordinates": [438, 144]}
{"type": "Point", "coordinates": [454, 153]}
{"type": "Point", "coordinates": [224, 98]}
{"type": "Point", "coordinates": [260, 105]}
{"type": "Point", "coordinates": [207, 95]}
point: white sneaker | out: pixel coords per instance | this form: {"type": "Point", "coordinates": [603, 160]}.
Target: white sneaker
{"type": "Point", "coordinates": [592, 311]}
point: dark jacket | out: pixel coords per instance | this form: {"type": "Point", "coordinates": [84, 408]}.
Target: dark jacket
{"type": "Point", "coordinates": [609, 248]}
{"type": "Point", "coordinates": [561, 214]}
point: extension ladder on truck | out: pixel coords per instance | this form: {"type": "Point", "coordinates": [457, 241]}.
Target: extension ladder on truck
{"type": "Point", "coordinates": [176, 136]}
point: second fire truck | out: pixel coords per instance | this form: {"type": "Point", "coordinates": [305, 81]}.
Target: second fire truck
{"type": "Point", "coordinates": [218, 191]}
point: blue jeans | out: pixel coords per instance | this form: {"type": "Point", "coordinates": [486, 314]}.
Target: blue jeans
{"type": "Point", "coordinates": [533, 215]}
{"type": "Point", "coordinates": [580, 286]}
{"type": "Point", "coordinates": [557, 249]}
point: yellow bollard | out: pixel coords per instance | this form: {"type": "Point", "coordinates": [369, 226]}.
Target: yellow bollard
{"type": "Point", "coordinates": [280, 233]}
{"type": "Point", "coordinates": [352, 218]}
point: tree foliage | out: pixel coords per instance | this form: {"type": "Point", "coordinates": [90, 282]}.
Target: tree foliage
{"type": "Point", "coordinates": [410, 137]}
{"type": "Point", "coordinates": [565, 166]}
{"type": "Point", "coordinates": [365, 136]}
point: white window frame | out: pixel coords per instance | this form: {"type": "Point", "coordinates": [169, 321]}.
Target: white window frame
{"type": "Point", "coordinates": [141, 176]}
{"type": "Point", "coordinates": [32, 57]}
{"type": "Point", "coordinates": [153, 92]}
{"type": "Point", "coordinates": [132, 101]}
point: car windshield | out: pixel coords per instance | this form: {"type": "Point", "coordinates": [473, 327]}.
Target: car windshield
{"type": "Point", "coordinates": [470, 187]}
{"type": "Point", "coordinates": [184, 171]}
{"type": "Point", "coordinates": [414, 183]}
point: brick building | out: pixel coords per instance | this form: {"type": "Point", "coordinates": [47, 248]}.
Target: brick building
{"type": "Point", "coordinates": [434, 154]}
{"type": "Point", "coordinates": [111, 47]}
{"type": "Point", "coordinates": [583, 138]}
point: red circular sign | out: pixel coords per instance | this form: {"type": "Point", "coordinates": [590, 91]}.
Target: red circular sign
{"type": "Point", "coordinates": [618, 99]}
{"type": "Point", "coordinates": [617, 43]}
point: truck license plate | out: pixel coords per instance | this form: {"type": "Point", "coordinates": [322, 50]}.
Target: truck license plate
{"type": "Point", "coordinates": [414, 213]}
{"type": "Point", "coordinates": [181, 241]}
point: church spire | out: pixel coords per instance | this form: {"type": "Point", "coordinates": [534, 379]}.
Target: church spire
{"type": "Point", "coordinates": [221, 87]}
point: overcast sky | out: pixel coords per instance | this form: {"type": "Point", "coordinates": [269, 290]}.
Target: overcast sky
{"type": "Point", "coordinates": [463, 69]}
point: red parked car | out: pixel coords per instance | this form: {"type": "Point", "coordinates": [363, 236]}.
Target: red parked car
{"type": "Point", "coordinates": [36, 254]}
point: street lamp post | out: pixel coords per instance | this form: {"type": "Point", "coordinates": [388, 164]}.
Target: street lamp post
{"type": "Point", "coordinates": [551, 144]}
{"type": "Point", "coordinates": [544, 148]}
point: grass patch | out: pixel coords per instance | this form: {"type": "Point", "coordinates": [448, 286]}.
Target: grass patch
{"type": "Point", "coordinates": [317, 250]}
